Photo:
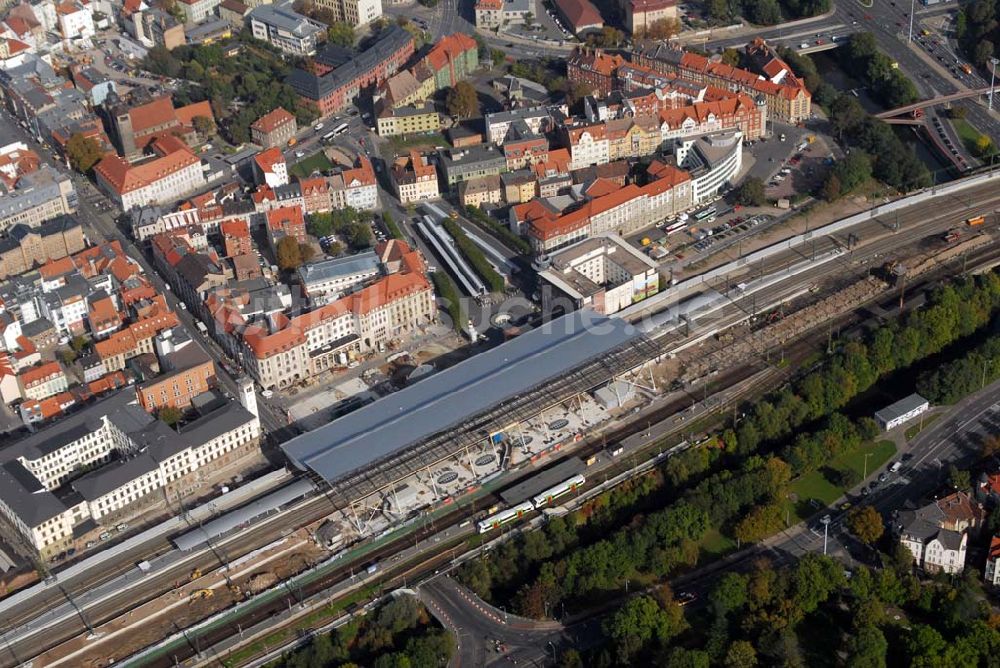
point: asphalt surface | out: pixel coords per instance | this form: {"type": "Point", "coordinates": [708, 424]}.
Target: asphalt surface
{"type": "Point", "coordinates": [486, 635]}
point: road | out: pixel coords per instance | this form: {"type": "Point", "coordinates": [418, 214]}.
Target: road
{"type": "Point", "coordinates": [486, 635]}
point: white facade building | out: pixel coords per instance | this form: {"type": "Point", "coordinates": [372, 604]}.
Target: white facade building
{"type": "Point", "coordinates": [134, 455]}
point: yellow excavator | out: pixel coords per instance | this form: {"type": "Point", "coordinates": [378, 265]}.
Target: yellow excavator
{"type": "Point", "coordinates": [202, 593]}
{"type": "Point", "coordinates": [195, 574]}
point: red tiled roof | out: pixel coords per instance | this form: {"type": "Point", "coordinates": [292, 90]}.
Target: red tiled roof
{"type": "Point", "coordinates": [267, 159]}
{"type": "Point", "coordinates": [272, 120]}
{"type": "Point", "coordinates": [449, 48]}
{"type": "Point", "coordinates": [125, 178]}
{"type": "Point", "coordinates": [55, 268]}
{"type": "Point", "coordinates": [362, 175]}
{"type": "Point", "coordinates": [188, 113]}
{"type": "Point", "coordinates": [37, 374]}
{"type": "Point", "coordinates": [152, 114]}
{"type": "Point", "coordinates": [580, 13]}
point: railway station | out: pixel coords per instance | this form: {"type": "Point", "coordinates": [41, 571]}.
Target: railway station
{"type": "Point", "coordinates": [459, 428]}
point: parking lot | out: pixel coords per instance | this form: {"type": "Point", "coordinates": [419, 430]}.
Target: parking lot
{"type": "Point", "coordinates": [802, 172]}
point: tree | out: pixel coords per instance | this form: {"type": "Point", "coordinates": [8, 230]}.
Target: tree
{"type": "Point", "coordinates": [341, 34]}
{"type": "Point", "coordinates": [67, 356]}
{"type": "Point", "coordinates": [169, 414]}
{"type": "Point", "coordinates": [462, 100]}
{"type": "Point", "coordinates": [984, 146]}
{"type": "Point", "coordinates": [958, 478]}
{"type": "Point", "coordinates": [741, 654]}
{"type": "Point", "coordinates": [731, 57]}
{"type": "Point", "coordinates": [83, 152]}
{"type": "Point", "coordinates": [760, 523]}
{"type": "Point", "coordinates": [866, 524]}
{"type": "Point", "coordinates": [204, 125]}
{"type": "Point", "coordinates": [991, 447]}
{"type": "Point", "coordinates": [288, 254]}
{"type": "Point", "coordinates": [638, 622]}
{"type": "Point", "coordinates": [751, 192]}
{"type": "Point", "coordinates": [831, 188]}
{"type": "Point", "coordinates": [663, 28]}
{"type": "Point", "coordinates": [78, 343]}
{"type": "Point", "coordinates": [497, 56]}
{"type": "Point", "coordinates": [729, 594]}
{"type": "Point", "coordinates": [306, 252]}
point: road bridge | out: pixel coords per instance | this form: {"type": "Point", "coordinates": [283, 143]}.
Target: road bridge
{"type": "Point", "coordinates": [934, 101]}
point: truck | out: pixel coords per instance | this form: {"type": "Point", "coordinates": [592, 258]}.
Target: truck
{"type": "Point", "coordinates": [951, 236]}
{"type": "Point", "coordinates": [977, 220]}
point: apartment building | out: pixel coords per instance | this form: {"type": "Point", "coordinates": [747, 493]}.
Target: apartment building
{"type": "Point", "coordinates": [713, 161]}
{"type": "Point", "coordinates": [285, 221]}
{"type": "Point", "coordinates": [279, 351]}
{"type": "Point", "coordinates": [134, 340]}
{"type": "Point", "coordinates": [173, 173]}
{"type": "Point", "coordinates": [236, 239]}
{"type": "Point", "coordinates": [35, 196]}
{"type": "Point", "coordinates": [76, 21]}
{"type": "Point", "coordinates": [522, 147]}
{"type": "Point", "coordinates": [283, 27]}
{"type": "Point", "coordinates": [42, 381]}
{"type": "Point", "coordinates": [340, 76]}
{"type": "Point", "coordinates": [538, 119]}
{"type": "Point", "coordinates": [403, 120]}
{"type": "Point", "coordinates": [786, 96]}
{"type": "Point", "coordinates": [465, 164]}
{"type": "Point", "coordinates": [611, 210]}
{"type": "Point", "coordinates": [196, 11]}
{"type": "Point", "coordinates": [353, 12]}
{"type": "Point", "coordinates": [270, 168]}
{"type": "Point", "coordinates": [45, 496]}
{"type": "Point", "coordinates": [275, 128]}
{"type": "Point", "coordinates": [24, 247]}
{"type": "Point", "coordinates": [937, 534]}
{"type": "Point", "coordinates": [492, 14]}
{"type": "Point", "coordinates": [414, 179]}
{"type": "Point", "coordinates": [184, 370]}
{"type": "Point", "coordinates": [588, 144]}
{"type": "Point", "coordinates": [354, 187]}
{"type": "Point", "coordinates": [481, 191]}
{"type": "Point", "coordinates": [452, 59]}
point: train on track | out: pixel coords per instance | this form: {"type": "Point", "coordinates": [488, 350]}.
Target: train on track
{"type": "Point", "coordinates": [537, 502]}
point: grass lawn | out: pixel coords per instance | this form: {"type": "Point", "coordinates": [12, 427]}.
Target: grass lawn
{"type": "Point", "coordinates": [814, 484]}
{"type": "Point", "coordinates": [400, 143]}
{"type": "Point", "coordinates": [316, 161]}
{"type": "Point", "coordinates": [967, 133]}
{"type": "Point", "coordinates": [912, 431]}
{"type": "Point", "coordinates": [714, 545]}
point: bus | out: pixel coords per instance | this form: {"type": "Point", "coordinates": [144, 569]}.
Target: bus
{"type": "Point", "coordinates": [675, 226]}
{"type": "Point", "coordinates": [340, 129]}
{"type": "Point", "coordinates": [705, 215]}
{"type": "Point", "coordinates": [328, 137]}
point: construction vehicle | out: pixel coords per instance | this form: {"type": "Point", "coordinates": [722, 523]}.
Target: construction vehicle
{"type": "Point", "coordinates": [978, 220]}
{"type": "Point", "coordinates": [952, 235]}
{"type": "Point", "coordinates": [202, 593]}
{"type": "Point", "coordinates": [195, 574]}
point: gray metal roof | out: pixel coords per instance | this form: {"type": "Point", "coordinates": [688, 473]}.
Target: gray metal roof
{"type": "Point", "coordinates": [23, 494]}
{"type": "Point", "coordinates": [537, 484]}
{"type": "Point", "coordinates": [362, 263]}
{"type": "Point", "coordinates": [900, 408]}
{"type": "Point", "coordinates": [453, 396]}
{"type": "Point", "coordinates": [262, 506]}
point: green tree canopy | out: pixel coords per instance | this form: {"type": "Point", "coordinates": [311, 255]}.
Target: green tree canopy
{"type": "Point", "coordinates": [462, 100]}
{"type": "Point", "coordinates": [83, 152]}
{"type": "Point", "coordinates": [341, 34]}
{"type": "Point", "coordinates": [289, 255]}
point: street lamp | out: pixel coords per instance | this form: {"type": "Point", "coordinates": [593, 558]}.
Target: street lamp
{"type": "Point", "coordinates": [993, 76]}
{"type": "Point", "coordinates": [825, 521]}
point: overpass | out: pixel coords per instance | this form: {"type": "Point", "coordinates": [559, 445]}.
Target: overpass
{"type": "Point", "coordinates": [923, 104]}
